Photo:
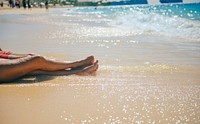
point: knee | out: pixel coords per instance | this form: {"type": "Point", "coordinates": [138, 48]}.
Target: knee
{"type": "Point", "coordinates": [38, 59]}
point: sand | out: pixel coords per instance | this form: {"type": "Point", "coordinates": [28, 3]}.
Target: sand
{"type": "Point", "coordinates": [22, 11]}
{"type": "Point", "coordinates": [122, 91]}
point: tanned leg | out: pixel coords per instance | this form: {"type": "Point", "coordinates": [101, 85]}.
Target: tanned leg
{"type": "Point", "coordinates": [13, 69]}
{"type": "Point", "coordinates": [78, 71]}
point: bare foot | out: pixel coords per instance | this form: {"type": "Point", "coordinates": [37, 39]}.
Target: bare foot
{"type": "Point", "coordinates": [86, 62]}
{"type": "Point", "coordinates": [89, 60]}
{"type": "Point", "coordinates": [89, 70]}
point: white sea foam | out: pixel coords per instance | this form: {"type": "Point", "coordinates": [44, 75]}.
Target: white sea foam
{"type": "Point", "coordinates": [159, 24]}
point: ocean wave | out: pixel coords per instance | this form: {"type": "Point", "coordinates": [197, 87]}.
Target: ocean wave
{"type": "Point", "coordinates": [156, 23]}
{"type": "Point", "coordinates": [171, 20]}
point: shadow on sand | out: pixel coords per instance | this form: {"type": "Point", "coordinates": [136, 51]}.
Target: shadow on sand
{"type": "Point", "coordinates": [32, 79]}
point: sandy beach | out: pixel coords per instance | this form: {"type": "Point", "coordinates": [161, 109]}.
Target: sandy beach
{"type": "Point", "coordinates": [22, 11]}
{"type": "Point", "coordinates": [144, 76]}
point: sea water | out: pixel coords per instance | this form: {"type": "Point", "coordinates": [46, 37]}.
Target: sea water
{"type": "Point", "coordinates": [149, 57]}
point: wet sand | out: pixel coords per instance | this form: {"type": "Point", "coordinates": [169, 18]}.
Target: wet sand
{"type": "Point", "coordinates": [142, 98]}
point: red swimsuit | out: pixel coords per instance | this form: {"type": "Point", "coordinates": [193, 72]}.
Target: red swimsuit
{"type": "Point", "coordinates": [4, 54]}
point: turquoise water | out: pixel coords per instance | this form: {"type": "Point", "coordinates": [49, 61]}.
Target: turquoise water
{"type": "Point", "coordinates": [188, 11]}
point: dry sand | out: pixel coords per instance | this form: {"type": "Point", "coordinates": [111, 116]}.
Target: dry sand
{"type": "Point", "coordinates": [22, 11]}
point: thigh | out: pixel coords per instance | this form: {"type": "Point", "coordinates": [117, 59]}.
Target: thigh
{"type": "Point", "coordinates": [12, 69]}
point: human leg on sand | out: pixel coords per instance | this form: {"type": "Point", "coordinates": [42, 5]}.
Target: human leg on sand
{"type": "Point", "coordinates": [78, 71]}
{"type": "Point", "coordinates": [16, 68]}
